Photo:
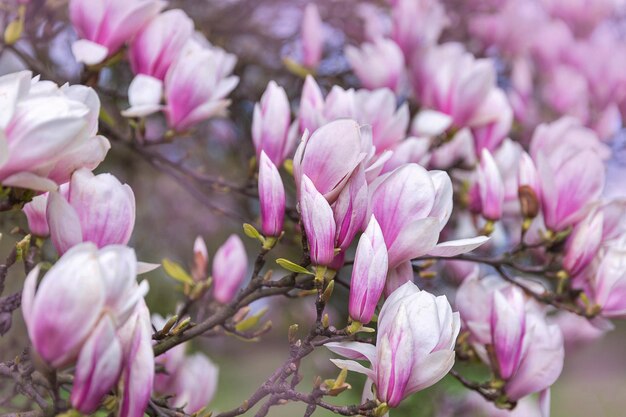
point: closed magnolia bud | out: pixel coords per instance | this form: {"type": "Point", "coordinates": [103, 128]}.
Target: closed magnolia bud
{"type": "Point", "coordinates": [97, 208]}
{"type": "Point", "coordinates": [200, 260]}
{"type": "Point", "coordinates": [319, 224]}
{"type": "Point", "coordinates": [271, 197]}
{"type": "Point", "coordinates": [368, 273]}
{"type": "Point", "coordinates": [196, 383]}
{"type": "Point", "coordinates": [205, 72]}
{"type": "Point", "coordinates": [490, 187]}
{"type": "Point", "coordinates": [270, 124]}
{"type": "Point", "coordinates": [229, 269]}
{"type": "Point", "coordinates": [104, 29]}
{"type": "Point", "coordinates": [159, 43]}
{"type": "Point", "coordinates": [377, 64]}
{"type": "Point", "coordinates": [98, 367]}
{"type": "Point", "coordinates": [609, 283]}
{"type": "Point", "coordinates": [312, 37]}
{"type": "Point", "coordinates": [508, 327]}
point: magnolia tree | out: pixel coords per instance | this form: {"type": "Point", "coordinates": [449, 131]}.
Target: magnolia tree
{"type": "Point", "coordinates": [431, 173]}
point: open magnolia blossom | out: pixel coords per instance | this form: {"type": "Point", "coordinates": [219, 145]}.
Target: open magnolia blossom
{"type": "Point", "coordinates": [334, 180]}
{"type": "Point", "coordinates": [414, 345]}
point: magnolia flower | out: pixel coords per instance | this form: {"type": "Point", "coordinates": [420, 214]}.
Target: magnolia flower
{"type": "Point", "coordinates": [528, 352]}
{"type": "Point", "coordinates": [35, 212]}
{"type": "Point", "coordinates": [79, 314]}
{"type": "Point", "coordinates": [196, 85]}
{"type": "Point", "coordinates": [377, 64]}
{"type": "Point", "coordinates": [450, 80]}
{"type": "Point", "coordinates": [319, 224]}
{"type": "Point", "coordinates": [608, 286]}
{"type": "Point", "coordinates": [159, 43]}
{"type": "Point", "coordinates": [329, 156]}
{"type": "Point", "coordinates": [270, 124]}
{"type": "Point", "coordinates": [414, 345]}
{"type": "Point", "coordinates": [312, 37]}
{"type": "Point", "coordinates": [195, 383]}
{"type": "Point", "coordinates": [417, 24]}
{"type": "Point", "coordinates": [368, 273]}
{"type": "Point", "coordinates": [490, 187]}
{"type": "Point", "coordinates": [93, 208]}
{"type": "Point", "coordinates": [229, 269]}
{"type": "Point", "coordinates": [497, 118]}
{"type": "Point", "coordinates": [47, 132]}
{"type": "Point", "coordinates": [271, 197]}
{"type": "Point", "coordinates": [412, 206]}
{"type": "Point", "coordinates": [73, 296]}
{"type": "Point", "coordinates": [106, 28]}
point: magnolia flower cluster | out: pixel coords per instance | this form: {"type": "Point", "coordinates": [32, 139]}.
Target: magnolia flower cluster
{"type": "Point", "coordinates": [171, 62]}
{"type": "Point", "coordinates": [46, 132]}
{"type": "Point", "coordinates": [510, 332]}
{"type": "Point", "coordinates": [88, 312]}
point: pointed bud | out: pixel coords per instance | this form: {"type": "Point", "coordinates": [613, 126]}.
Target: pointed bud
{"type": "Point", "coordinates": [319, 224]}
{"type": "Point", "coordinates": [490, 187]}
{"type": "Point", "coordinates": [312, 37]}
{"type": "Point", "coordinates": [229, 269]}
{"type": "Point", "coordinates": [271, 197]}
{"type": "Point", "coordinates": [270, 124]}
{"type": "Point", "coordinates": [528, 186]}
{"type": "Point", "coordinates": [199, 270]}
{"type": "Point", "coordinates": [368, 274]}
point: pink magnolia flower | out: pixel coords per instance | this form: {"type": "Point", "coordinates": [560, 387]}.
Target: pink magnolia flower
{"type": "Point", "coordinates": [376, 108]}
{"type": "Point", "coordinates": [270, 124]}
{"type": "Point", "coordinates": [104, 28]}
{"type": "Point", "coordinates": [329, 156]}
{"type": "Point", "coordinates": [412, 205]}
{"type": "Point", "coordinates": [608, 286]}
{"type": "Point", "coordinates": [48, 132]}
{"type": "Point", "coordinates": [584, 243]}
{"type": "Point", "coordinates": [93, 208]}
{"type": "Point", "coordinates": [417, 24]}
{"type": "Point", "coordinates": [83, 288]}
{"type": "Point", "coordinates": [158, 44]}
{"type": "Point", "coordinates": [271, 197]}
{"type": "Point", "coordinates": [566, 92]}
{"type": "Point", "coordinates": [582, 16]}
{"type": "Point", "coordinates": [377, 64]}
{"type": "Point", "coordinates": [541, 362]}
{"type": "Point", "coordinates": [229, 269]}
{"type": "Point", "coordinates": [196, 383]}
{"type": "Point", "coordinates": [312, 37]}
{"type": "Point", "coordinates": [490, 187]}
{"type": "Point", "coordinates": [319, 224]}
{"type": "Point", "coordinates": [411, 150]}
{"type": "Point", "coordinates": [448, 79]}
{"type": "Point", "coordinates": [368, 273]}
{"type": "Point", "coordinates": [508, 328]}
{"type": "Point", "coordinates": [414, 345]}
{"type": "Point", "coordinates": [197, 83]}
